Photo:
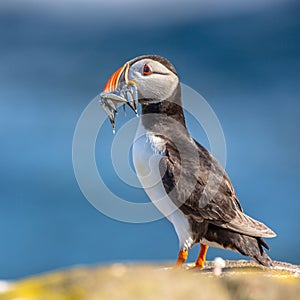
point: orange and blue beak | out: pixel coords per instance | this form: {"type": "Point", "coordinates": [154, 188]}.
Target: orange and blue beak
{"type": "Point", "coordinates": [119, 90]}
{"type": "Point", "coordinates": [113, 82]}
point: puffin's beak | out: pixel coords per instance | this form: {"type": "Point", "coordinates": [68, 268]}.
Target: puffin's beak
{"type": "Point", "coordinates": [113, 83]}
{"type": "Point", "coordinates": [120, 90]}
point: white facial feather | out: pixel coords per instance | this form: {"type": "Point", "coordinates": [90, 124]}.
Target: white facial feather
{"type": "Point", "coordinates": [153, 86]}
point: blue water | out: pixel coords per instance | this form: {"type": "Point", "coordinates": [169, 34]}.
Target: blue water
{"type": "Point", "coordinates": [246, 65]}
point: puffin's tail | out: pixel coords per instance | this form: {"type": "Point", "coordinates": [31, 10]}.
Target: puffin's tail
{"type": "Point", "coordinates": [246, 245]}
{"type": "Point", "coordinates": [253, 247]}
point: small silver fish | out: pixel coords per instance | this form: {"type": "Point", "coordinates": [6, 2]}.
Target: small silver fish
{"type": "Point", "coordinates": [109, 102]}
{"type": "Point", "coordinates": [110, 109]}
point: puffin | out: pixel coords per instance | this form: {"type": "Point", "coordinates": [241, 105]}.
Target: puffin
{"type": "Point", "coordinates": [191, 188]}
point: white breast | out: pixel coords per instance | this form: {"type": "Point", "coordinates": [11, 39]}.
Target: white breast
{"type": "Point", "coordinates": [147, 151]}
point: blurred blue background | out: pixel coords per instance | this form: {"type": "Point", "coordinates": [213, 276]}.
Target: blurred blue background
{"type": "Point", "coordinates": [243, 57]}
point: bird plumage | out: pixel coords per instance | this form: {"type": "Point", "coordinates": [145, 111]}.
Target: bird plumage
{"type": "Point", "coordinates": [212, 208]}
{"type": "Point", "coordinates": [201, 201]}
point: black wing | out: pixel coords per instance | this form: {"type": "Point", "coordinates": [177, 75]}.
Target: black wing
{"type": "Point", "coordinates": [201, 189]}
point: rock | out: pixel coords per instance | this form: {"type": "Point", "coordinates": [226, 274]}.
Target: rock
{"type": "Point", "coordinates": [239, 280]}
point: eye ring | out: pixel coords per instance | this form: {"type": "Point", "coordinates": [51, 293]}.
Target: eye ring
{"type": "Point", "coordinates": [147, 70]}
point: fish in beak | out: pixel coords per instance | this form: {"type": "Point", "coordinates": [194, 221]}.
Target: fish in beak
{"type": "Point", "coordinates": [118, 90]}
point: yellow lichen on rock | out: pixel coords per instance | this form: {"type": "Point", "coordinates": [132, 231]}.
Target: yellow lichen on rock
{"type": "Point", "coordinates": [119, 281]}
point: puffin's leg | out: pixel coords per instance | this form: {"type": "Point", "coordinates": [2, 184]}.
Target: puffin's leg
{"type": "Point", "coordinates": [182, 256]}
{"type": "Point", "coordinates": [202, 256]}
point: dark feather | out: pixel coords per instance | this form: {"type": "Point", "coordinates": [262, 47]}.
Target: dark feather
{"type": "Point", "coordinates": [199, 186]}
{"type": "Point", "coordinates": [211, 195]}
{"type": "Point", "coordinates": [246, 245]}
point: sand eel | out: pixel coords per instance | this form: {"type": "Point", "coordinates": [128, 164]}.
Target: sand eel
{"type": "Point", "coordinates": [207, 210]}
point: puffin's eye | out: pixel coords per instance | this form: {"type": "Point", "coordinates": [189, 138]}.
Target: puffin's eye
{"type": "Point", "coordinates": [147, 69]}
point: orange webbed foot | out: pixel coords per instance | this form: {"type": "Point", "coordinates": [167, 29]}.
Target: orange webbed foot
{"type": "Point", "coordinates": [182, 256]}
{"type": "Point", "coordinates": [200, 262]}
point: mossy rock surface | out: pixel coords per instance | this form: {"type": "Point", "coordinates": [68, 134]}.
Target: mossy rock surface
{"type": "Point", "coordinates": [240, 280]}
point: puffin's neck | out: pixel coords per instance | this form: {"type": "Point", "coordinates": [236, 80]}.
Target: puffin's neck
{"type": "Point", "coordinates": [169, 108]}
